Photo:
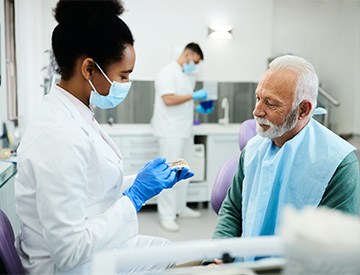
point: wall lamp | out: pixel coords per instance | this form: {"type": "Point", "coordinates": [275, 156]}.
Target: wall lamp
{"type": "Point", "coordinates": [220, 32]}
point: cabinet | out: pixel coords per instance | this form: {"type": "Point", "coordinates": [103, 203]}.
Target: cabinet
{"type": "Point", "coordinates": [138, 145]}
{"type": "Point", "coordinates": [136, 150]}
{"type": "Point", "coordinates": [220, 148]}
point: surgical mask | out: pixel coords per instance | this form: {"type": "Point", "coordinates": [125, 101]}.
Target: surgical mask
{"type": "Point", "coordinates": [117, 93]}
{"type": "Point", "coordinates": [190, 67]}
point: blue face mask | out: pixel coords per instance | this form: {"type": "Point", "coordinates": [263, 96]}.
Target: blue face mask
{"type": "Point", "coordinates": [117, 93]}
{"type": "Point", "coordinates": [190, 67]}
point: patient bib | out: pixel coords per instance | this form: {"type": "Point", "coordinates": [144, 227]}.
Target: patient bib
{"type": "Point", "coordinates": [296, 174]}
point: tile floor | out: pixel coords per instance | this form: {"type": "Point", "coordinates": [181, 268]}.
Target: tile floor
{"type": "Point", "coordinates": [190, 229]}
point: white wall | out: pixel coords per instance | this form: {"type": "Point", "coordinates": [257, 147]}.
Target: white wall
{"type": "Point", "coordinates": [327, 34]}
{"type": "Point", "coordinates": [161, 25]}
{"type": "Point", "coordinates": [29, 53]}
{"type": "Point", "coordinates": [3, 98]}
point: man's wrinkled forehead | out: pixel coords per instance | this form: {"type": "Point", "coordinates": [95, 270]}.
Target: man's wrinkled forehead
{"type": "Point", "coordinates": [279, 80]}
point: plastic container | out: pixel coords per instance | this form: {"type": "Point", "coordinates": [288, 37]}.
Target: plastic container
{"type": "Point", "coordinates": [207, 104]}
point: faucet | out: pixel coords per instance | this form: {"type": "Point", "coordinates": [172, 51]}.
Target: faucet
{"type": "Point", "coordinates": [225, 106]}
{"type": "Point", "coordinates": [111, 121]}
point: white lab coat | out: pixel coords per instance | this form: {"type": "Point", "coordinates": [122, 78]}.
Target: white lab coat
{"type": "Point", "coordinates": [173, 127]}
{"type": "Point", "coordinates": [69, 192]}
{"type": "Point", "coordinates": [173, 121]}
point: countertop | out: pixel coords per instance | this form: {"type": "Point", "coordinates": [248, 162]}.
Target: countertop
{"type": "Point", "coordinates": [7, 170]}
{"type": "Point", "coordinates": [145, 129]}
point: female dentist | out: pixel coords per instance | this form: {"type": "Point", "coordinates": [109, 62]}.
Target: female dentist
{"type": "Point", "coordinates": [70, 196]}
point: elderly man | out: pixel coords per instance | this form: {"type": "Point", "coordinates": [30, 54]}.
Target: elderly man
{"type": "Point", "coordinates": [293, 160]}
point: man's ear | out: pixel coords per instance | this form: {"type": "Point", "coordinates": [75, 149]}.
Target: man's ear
{"type": "Point", "coordinates": [87, 68]}
{"type": "Point", "coordinates": [305, 109]}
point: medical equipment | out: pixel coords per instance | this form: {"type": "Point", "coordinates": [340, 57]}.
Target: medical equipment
{"type": "Point", "coordinates": [106, 262]}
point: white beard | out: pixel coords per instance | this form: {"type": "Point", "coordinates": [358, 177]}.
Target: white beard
{"type": "Point", "coordinates": [277, 131]}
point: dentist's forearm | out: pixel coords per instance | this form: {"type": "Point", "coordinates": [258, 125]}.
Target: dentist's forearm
{"type": "Point", "coordinates": [172, 99]}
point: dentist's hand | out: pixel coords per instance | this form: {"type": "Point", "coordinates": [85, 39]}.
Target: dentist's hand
{"type": "Point", "coordinates": [183, 174]}
{"type": "Point", "coordinates": [200, 109]}
{"type": "Point", "coordinates": [154, 177]}
{"type": "Point", "coordinates": [200, 94]}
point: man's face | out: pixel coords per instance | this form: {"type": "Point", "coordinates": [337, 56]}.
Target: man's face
{"type": "Point", "coordinates": [194, 57]}
{"type": "Point", "coordinates": [274, 110]}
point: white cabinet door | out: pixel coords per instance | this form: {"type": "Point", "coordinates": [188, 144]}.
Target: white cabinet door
{"type": "Point", "coordinates": [136, 151]}
{"type": "Point", "coordinates": [220, 148]}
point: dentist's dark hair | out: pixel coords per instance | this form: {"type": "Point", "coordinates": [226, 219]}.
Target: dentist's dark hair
{"type": "Point", "coordinates": [195, 48]}
{"type": "Point", "coordinates": [89, 28]}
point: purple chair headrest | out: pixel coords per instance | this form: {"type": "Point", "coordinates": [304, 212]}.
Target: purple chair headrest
{"type": "Point", "coordinates": [222, 182]}
{"type": "Point", "coordinates": [246, 132]}
{"type": "Point", "coordinates": [228, 170]}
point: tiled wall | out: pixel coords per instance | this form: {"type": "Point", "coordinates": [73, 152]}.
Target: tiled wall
{"type": "Point", "coordinates": [138, 106]}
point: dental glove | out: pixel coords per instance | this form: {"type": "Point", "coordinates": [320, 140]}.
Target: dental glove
{"type": "Point", "coordinates": [183, 174]}
{"type": "Point", "coordinates": [200, 109]}
{"type": "Point", "coordinates": [200, 94]}
{"type": "Point", "coordinates": [155, 176]}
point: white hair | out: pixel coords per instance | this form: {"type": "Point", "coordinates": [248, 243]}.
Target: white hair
{"type": "Point", "coordinates": [308, 81]}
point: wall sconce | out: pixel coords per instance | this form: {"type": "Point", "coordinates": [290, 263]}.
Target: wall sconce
{"type": "Point", "coordinates": [220, 32]}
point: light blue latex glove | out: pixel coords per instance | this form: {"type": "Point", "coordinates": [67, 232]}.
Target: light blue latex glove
{"type": "Point", "coordinates": [200, 94]}
{"type": "Point", "coordinates": [154, 177]}
{"type": "Point", "coordinates": [200, 109]}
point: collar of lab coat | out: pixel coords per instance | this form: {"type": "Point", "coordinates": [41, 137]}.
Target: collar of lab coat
{"type": "Point", "coordinates": [112, 152]}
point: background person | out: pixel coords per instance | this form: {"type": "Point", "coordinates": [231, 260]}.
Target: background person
{"type": "Point", "coordinates": [172, 123]}
{"type": "Point", "coordinates": [294, 160]}
{"type": "Point", "coordinates": [70, 194]}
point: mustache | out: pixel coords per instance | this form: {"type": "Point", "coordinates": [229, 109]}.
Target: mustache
{"type": "Point", "coordinates": [264, 121]}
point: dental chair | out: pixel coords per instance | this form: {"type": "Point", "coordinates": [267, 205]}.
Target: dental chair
{"type": "Point", "coordinates": [9, 259]}
{"type": "Point", "coordinates": [227, 172]}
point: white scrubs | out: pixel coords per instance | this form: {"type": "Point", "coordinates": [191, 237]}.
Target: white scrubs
{"type": "Point", "coordinates": [69, 191]}
{"type": "Point", "coordinates": [173, 126]}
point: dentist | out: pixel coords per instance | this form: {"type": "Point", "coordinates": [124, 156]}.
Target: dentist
{"type": "Point", "coordinates": [172, 124]}
{"type": "Point", "coordinates": [70, 192]}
